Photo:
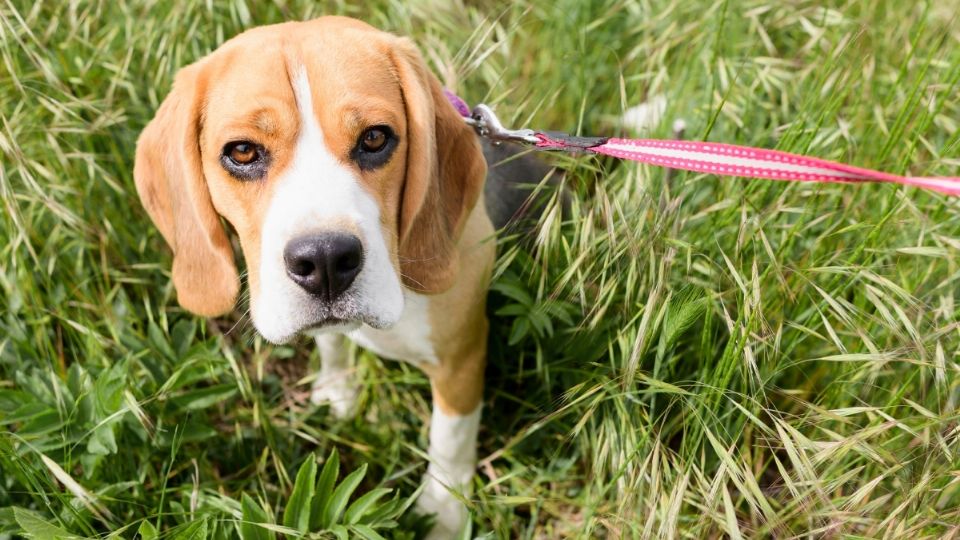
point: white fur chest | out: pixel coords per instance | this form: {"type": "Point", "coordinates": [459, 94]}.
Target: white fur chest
{"type": "Point", "coordinates": [409, 340]}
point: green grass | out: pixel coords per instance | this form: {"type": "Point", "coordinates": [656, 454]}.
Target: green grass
{"type": "Point", "coordinates": [689, 356]}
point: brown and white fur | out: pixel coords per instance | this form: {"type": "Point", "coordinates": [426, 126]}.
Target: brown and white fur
{"type": "Point", "coordinates": [305, 92]}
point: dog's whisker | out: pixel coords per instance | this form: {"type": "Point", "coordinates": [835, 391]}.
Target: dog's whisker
{"type": "Point", "coordinates": [409, 278]}
{"type": "Point", "coordinates": [411, 260]}
{"type": "Point", "coordinates": [241, 320]}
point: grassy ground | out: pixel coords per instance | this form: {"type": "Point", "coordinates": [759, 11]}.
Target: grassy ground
{"type": "Point", "coordinates": [690, 356]}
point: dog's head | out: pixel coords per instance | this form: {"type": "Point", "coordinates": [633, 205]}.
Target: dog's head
{"type": "Point", "coordinates": [330, 149]}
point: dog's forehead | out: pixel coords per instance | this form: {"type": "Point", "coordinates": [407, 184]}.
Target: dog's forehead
{"type": "Point", "coordinates": [341, 57]}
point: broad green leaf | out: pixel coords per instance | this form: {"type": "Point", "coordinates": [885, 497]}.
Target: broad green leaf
{"type": "Point", "coordinates": [366, 532]}
{"type": "Point", "coordinates": [160, 342]}
{"type": "Point", "coordinates": [39, 419]}
{"type": "Point", "coordinates": [341, 495]}
{"type": "Point", "coordinates": [147, 531]}
{"type": "Point", "coordinates": [363, 504]}
{"type": "Point", "coordinates": [253, 515]}
{"type": "Point", "coordinates": [518, 331]}
{"type": "Point", "coordinates": [386, 511]}
{"type": "Point", "coordinates": [108, 389]}
{"type": "Point", "coordinates": [325, 484]}
{"type": "Point", "coordinates": [340, 532]}
{"type": "Point", "coordinates": [103, 440]}
{"type": "Point", "coordinates": [204, 397]}
{"type": "Point", "coordinates": [11, 400]}
{"type": "Point", "coordinates": [182, 334]}
{"type": "Point", "coordinates": [297, 513]}
{"type": "Point", "coordinates": [514, 291]}
{"type": "Point", "coordinates": [194, 531]}
{"type": "Point", "coordinates": [286, 531]}
{"type": "Point", "coordinates": [512, 310]}
{"type": "Point", "coordinates": [35, 526]}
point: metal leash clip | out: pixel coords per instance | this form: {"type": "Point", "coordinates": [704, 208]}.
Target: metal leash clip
{"type": "Point", "coordinates": [485, 121]}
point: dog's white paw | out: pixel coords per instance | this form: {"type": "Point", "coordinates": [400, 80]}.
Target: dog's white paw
{"type": "Point", "coordinates": [339, 389]}
{"type": "Point", "coordinates": [450, 514]}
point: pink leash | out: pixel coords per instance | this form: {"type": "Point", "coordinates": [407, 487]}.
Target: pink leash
{"type": "Point", "coordinates": [702, 157]}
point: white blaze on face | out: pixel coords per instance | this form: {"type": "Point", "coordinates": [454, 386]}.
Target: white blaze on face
{"type": "Point", "coordinates": [318, 194]}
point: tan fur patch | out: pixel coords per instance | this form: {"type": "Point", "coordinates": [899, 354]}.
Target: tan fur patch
{"type": "Point", "coordinates": [459, 323]}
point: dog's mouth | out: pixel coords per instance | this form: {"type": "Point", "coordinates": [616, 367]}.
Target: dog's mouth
{"type": "Point", "coordinates": [316, 320]}
{"type": "Point", "coordinates": [329, 324]}
{"type": "Point", "coordinates": [329, 321]}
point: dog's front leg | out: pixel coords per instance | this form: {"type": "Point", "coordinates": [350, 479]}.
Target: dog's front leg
{"type": "Point", "coordinates": [457, 394]}
{"type": "Point", "coordinates": [336, 383]}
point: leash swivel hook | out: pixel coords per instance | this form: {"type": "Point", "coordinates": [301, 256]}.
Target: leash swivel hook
{"type": "Point", "coordinates": [487, 125]}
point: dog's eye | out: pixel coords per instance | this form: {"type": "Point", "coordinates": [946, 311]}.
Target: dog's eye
{"type": "Point", "coordinates": [374, 147]}
{"type": "Point", "coordinates": [373, 140]}
{"type": "Point", "coordinates": [244, 160]}
{"type": "Point", "coordinates": [243, 153]}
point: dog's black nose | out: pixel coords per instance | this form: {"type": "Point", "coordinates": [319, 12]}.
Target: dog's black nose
{"type": "Point", "coordinates": [324, 264]}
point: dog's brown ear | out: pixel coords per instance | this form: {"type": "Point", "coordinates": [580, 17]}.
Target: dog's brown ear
{"type": "Point", "coordinates": [444, 177]}
{"type": "Point", "coordinates": [169, 177]}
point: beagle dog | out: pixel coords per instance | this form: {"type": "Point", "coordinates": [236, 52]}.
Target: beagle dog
{"type": "Point", "coordinates": [357, 194]}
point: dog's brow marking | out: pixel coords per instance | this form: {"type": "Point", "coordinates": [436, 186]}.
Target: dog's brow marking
{"type": "Point", "coordinates": [304, 99]}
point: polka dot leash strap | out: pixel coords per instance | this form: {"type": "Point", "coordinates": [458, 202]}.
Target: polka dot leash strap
{"type": "Point", "coordinates": [710, 158]}
{"type": "Point", "coordinates": [732, 160]}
